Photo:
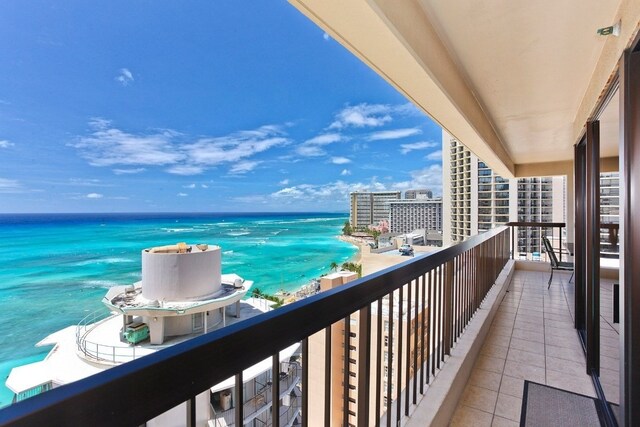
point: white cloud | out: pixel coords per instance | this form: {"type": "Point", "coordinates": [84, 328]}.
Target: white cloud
{"type": "Point", "coordinates": [407, 148]}
{"type": "Point", "coordinates": [185, 170]}
{"type": "Point", "coordinates": [429, 177]}
{"type": "Point", "coordinates": [94, 196]}
{"type": "Point", "coordinates": [128, 171]}
{"type": "Point", "coordinates": [340, 160]}
{"type": "Point", "coordinates": [5, 144]}
{"type": "Point", "coordinates": [243, 167]}
{"type": "Point", "coordinates": [345, 172]}
{"type": "Point", "coordinates": [235, 146]}
{"type": "Point", "coordinates": [124, 77]}
{"type": "Point", "coordinates": [362, 115]}
{"type": "Point", "coordinates": [109, 146]}
{"type": "Point", "coordinates": [284, 182]}
{"type": "Point", "coordinates": [436, 155]}
{"type": "Point", "coordinates": [313, 147]}
{"type": "Point", "coordinates": [189, 186]}
{"type": "Point", "coordinates": [325, 36]}
{"type": "Point", "coordinates": [204, 186]}
{"type": "Point", "coordinates": [182, 194]}
{"type": "Point", "coordinates": [10, 186]}
{"type": "Point", "coordinates": [393, 134]}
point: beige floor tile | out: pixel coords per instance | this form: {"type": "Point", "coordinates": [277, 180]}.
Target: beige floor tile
{"type": "Point", "coordinates": [528, 335]}
{"type": "Point", "coordinates": [572, 354]}
{"type": "Point", "coordinates": [499, 340]}
{"type": "Point", "coordinates": [566, 342]}
{"type": "Point", "coordinates": [521, 356]}
{"type": "Point", "coordinates": [532, 346]}
{"type": "Point", "coordinates": [499, 330]}
{"type": "Point", "coordinates": [578, 384]}
{"type": "Point", "coordinates": [485, 379]}
{"type": "Point", "coordinates": [508, 407]}
{"type": "Point", "coordinates": [512, 386]}
{"type": "Point", "coordinates": [560, 332]}
{"type": "Point", "coordinates": [528, 326]}
{"type": "Point", "coordinates": [494, 351]}
{"type": "Point", "coordinates": [525, 372]}
{"type": "Point", "coordinates": [565, 366]}
{"type": "Point", "coordinates": [503, 422]}
{"type": "Point", "coordinates": [470, 417]}
{"type": "Point", "coordinates": [479, 398]}
{"type": "Point", "coordinates": [489, 363]}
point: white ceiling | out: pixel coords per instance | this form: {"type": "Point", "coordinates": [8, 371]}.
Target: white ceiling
{"type": "Point", "coordinates": [528, 64]}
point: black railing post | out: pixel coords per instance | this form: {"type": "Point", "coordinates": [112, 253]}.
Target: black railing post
{"type": "Point", "coordinates": [364, 366]}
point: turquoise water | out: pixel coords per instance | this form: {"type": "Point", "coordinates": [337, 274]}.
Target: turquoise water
{"type": "Point", "coordinates": [54, 269]}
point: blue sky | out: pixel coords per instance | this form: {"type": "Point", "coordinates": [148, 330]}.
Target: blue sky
{"type": "Point", "coordinates": [215, 106]}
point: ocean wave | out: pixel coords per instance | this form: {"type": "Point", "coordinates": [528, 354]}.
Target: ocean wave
{"type": "Point", "coordinates": [229, 252]}
{"type": "Point", "coordinates": [99, 284]}
{"type": "Point", "coordinates": [238, 233]}
{"type": "Point", "coordinates": [104, 261]}
{"type": "Point", "coordinates": [179, 230]}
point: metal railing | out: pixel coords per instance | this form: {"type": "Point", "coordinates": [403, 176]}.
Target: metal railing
{"type": "Point", "coordinates": [261, 401]}
{"type": "Point", "coordinates": [526, 240]}
{"type": "Point", "coordinates": [114, 354]}
{"type": "Point", "coordinates": [439, 294]}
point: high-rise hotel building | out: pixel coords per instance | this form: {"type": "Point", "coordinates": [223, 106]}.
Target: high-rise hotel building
{"type": "Point", "coordinates": [475, 199]}
{"type": "Point", "coordinates": [369, 208]}
{"type": "Point", "coordinates": [408, 215]}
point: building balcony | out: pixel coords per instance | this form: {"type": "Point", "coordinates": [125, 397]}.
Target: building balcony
{"type": "Point", "coordinates": [453, 299]}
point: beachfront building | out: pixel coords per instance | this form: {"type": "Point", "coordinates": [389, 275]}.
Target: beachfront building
{"type": "Point", "coordinates": [476, 199]}
{"type": "Point", "coordinates": [422, 193]}
{"type": "Point", "coordinates": [466, 67]}
{"type": "Point", "coordinates": [183, 294]}
{"type": "Point", "coordinates": [369, 208]}
{"type": "Point", "coordinates": [409, 215]}
{"type": "Point", "coordinates": [345, 340]}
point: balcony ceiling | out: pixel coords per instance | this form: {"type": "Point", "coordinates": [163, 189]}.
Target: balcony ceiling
{"type": "Point", "coordinates": [514, 81]}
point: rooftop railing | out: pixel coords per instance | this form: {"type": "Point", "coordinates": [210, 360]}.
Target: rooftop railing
{"type": "Point", "coordinates": [440, 292]}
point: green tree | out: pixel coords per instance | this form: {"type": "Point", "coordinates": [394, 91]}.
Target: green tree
{"type": "Point", "coordinates": [334, 266]}
{"type": "Point", "coordinates": [347, 230]}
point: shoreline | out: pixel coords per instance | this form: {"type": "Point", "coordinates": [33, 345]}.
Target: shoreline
{"type": "Point", "coordinates": [356, 257]}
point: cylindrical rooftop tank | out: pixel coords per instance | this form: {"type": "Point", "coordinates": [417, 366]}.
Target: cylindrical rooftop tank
{"type": "Point", "coordinates": [168, 275]}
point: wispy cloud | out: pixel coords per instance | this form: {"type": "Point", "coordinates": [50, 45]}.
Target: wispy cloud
{"type": "Point", "coordinates": [5, 144]}
{"type": "Point", "coordinates": [325, 36]}
{"type": "Point", "coordinates": [243, 167]}
{"type": "Point", "coordinates": [10, 186]}
{"type": "Point", "coordinates": [185, 170]}
{"type": "Point", "coordinates": [314, 147]}
{"type": "Point", "coordinates": [436, 155]}
{"type": "Point", "coordinates": [393, 134]}
{"type": "Point", "coordinates": [284, 182]}
{"type": "Point", "coordinates": [182, 194]}
{"type": "Point", "coordinates": [369, 115]}
{"type": "Point", "coordinates": [345, 172]}
{"type": "Point", "coordinates": [124, 77]}
{"type": "Point", "coordinates": [189, 186]}
{"type": "Point", "coordinates": [407, 148]}
{"type": "Point", "coordinates": [128, 171]}
{"type": "Point", "coordinates": [340, 160]}
{"type": "Point", "coordinates": [107, 145]}
{"type": "Point", "coordinates": [94, 196]}
{"type": "Point", "coordinates": [204, 186]}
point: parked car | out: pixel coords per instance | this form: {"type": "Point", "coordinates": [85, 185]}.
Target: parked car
{"type": "Point", "coordinates": [406, 250]}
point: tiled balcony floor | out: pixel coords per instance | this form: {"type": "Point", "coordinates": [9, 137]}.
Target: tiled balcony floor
{"type": "Point", "coordinates": [532, 337]}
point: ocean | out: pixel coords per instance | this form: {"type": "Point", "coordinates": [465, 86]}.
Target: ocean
{"type": "Point", "coordinates": [55, 269]}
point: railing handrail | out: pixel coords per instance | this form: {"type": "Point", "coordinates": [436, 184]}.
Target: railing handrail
{"type": "Point", "coordinates": [536, 224]}
{"type": "Point", "coordinates": [102, 399]}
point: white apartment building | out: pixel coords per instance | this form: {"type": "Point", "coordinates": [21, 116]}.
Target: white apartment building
{"type": "Point", "coordinates": [409, 215]}
{"type": "Point", "coordinates": [422, 193]}
{"type": "Point", "coordinates": [369, 208]}
{"type": "Point", "coordinates": [475, 199]}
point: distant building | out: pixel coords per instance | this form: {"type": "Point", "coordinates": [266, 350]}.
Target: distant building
{"type": "Point", "coordinates": [409, 215]}
{"type": "Point", "coordinates": [368, 208]}
{"type": "Point", "coordinates": [475, 199]}
{"type": "Point", "coordinates": [422, 193]}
